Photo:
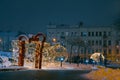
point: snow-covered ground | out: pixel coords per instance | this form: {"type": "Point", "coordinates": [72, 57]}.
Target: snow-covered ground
{"type": "Point", "coordinates": [65, 66]}
{"type": "Point", "coordinates": [53, 66]}
{"type": "Point", "coordinates": [5, 63]}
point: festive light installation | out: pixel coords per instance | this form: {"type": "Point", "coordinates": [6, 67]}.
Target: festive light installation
{"type": "Point", "coordinates": [96, 57]}
{"type": "Point", "coordinates": [38, 55]}
{"type": "Point", "coordinates": [34, 48]}
{"type": "Point", "coordinates": [21, 49]}
{"type": "Point", "coordinates": [38, 50]}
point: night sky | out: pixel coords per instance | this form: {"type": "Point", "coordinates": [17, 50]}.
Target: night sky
{"type": "Point", "coordinates": [33, 15]}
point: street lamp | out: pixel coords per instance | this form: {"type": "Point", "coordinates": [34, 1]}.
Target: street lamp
{"type": "Point", "coordinates": [54, 40]}
{"type": "Point", "coordinates": [85, 51]}
{"type": "Point", "coordinates": [61, 60]}
{"type": "Point", "coordinates": [117, 52]}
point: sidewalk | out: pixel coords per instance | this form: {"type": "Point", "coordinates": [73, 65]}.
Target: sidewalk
{"type": "Point", "coordinates": [53, 66]}
{"type": "Point", "coordinates": [69, 66]}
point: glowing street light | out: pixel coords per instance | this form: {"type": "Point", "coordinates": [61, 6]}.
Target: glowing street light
{"type": "Point", "coordinates": [61, 60]}
{"type": "Point", "coordinates": [54, 39]}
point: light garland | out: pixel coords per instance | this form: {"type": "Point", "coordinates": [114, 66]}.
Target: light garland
{"type": "Point", "coordinates": [49, 52]}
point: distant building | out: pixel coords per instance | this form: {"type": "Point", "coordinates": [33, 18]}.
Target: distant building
{"type": "Point", "coordinates": [103, 39]}
{"type": "Point", "coordinates": [5, 40]}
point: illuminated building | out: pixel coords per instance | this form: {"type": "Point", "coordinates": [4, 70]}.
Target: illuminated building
{"type": "Point", "coordinates": [103, 39]}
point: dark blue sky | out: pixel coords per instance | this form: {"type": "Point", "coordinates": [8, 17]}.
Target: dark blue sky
{"type": "Point", "coordinates": [34, 15]}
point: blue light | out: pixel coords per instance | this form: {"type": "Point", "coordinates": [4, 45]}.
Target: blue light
{"type": "Point", "coordinates": [61, 58]}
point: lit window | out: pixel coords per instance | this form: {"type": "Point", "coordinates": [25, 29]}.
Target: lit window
{"type": "Point", "coordinates": [83, 33]}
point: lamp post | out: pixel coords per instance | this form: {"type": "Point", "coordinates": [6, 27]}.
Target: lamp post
{"type": "Point", "coordinates": [61, 60]}
{"type": "Point", "coordinates": [117, 52]}
{"type": "Point", "coordinates": [85, 51]}
{"type": "Point", "coordinates": [117, 49]}
{"type": "Point", "coordinates": [54, 40]}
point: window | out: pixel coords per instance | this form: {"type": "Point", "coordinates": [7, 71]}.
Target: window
{"type": "Point", "coordinates": [100, 42]}
{"type": "Point", "coordinates": [100, 50]}
{"type": "Point", "coordinates": [117, 51]}
{"type": "Point", "coordinates": [93, 51]}
{"type": "Point", "coordinates": [109, 42]}
{"type": "Point", "coordinates": [109, 51]}
{"type": "Point", "coordinates": [100, 33]}
{"type": "Point", "coordinates": [83, 33]}
{"type": "Point", "coordinates": [71, 33]}
{"type": "Point", "coordinates": [62, 33]}
{"type": "Point", "coordinates": [105, 52]}
{"type": "Point", "coordinates": [96, 42]}
{"type": "Point", "coordinates": [104, 33]}
{"type": "Point", "coordinates": [104, 43]}
{"type": "Point", "coordinates": [96, 50]}
{"type": "Point", "coordinates": [92, 33]}
{"type": "Point", "coordinates": [93, 42]}
{"type": "Point", "coordinates": [75, 34]}
{"type": "Point", "coordinates": [89, 34]}
{"type": "Point", "coordinates": [89, 42]}
{"type": "Point", "coordinates": [66, 33]}
{"type": "Point", "coordinates": [109, 33]}
{"type": "Point", "coordinates": [89, 51]}
{"type": "Point", "coordinates": [82, 51]}
{"type": "Point", "coordinates": [96, 33]}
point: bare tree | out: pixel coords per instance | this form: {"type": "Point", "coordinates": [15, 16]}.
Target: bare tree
{"type": "Point", "coordinates": [74, 41]}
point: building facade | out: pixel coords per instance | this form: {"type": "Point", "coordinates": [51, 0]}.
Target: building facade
{"type": "Point", "coordinates": [5, 40]}
{"type": "Point", "coordinates": [103, 39]}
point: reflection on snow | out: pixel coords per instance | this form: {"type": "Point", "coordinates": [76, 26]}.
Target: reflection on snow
{"type": "Point", "coordinates": [4, 61]}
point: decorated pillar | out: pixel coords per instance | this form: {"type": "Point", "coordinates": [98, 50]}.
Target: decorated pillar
{"type": "Point", "coordinates": [21, 50]}
{"type": "Point", "coordinates": [37, 52]}
{"type": "Point", "coordinates": [39, 48]}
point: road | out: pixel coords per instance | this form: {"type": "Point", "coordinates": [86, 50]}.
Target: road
{"type": "Point", "coordinates": [43, 75]}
